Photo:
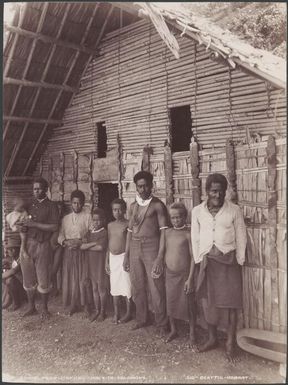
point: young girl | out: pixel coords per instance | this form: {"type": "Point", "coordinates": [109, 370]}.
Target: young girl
{"type": "Point", "coordinates": [119, 279]}
{"type": "Point", "coordinates": [72, 233]}
{"type": "Point", "coordinates": [96, 246]}
{"type": "Point", "coordinates": [179, 272]}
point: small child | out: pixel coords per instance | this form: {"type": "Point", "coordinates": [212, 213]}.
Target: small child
{"type": "Point", "coordinates": [96, 246]}
{"type": "Point", "coordinates": [18, 215]}
{"type": "Point", "coordinates": [179, 272]}
{"type": "Point", "coordinates": [119, 279]}
{"type": "Point", "coordinates": [12, 283]}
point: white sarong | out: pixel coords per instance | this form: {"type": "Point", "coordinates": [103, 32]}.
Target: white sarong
{"type": "Point", "coordinates": [119, 278]}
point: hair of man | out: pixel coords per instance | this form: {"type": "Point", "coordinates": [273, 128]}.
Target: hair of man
{"type": "Point", "coordinates": [143, 175]}
{"type": "Point", "coordinates": [43, 182]}
{"type": "Point", "coordinates": [216, 178]}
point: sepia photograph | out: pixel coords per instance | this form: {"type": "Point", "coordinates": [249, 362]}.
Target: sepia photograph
{"type": "Point", "coordinates": [144, 234]}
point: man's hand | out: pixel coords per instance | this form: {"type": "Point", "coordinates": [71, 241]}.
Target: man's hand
{"type": "Point", "coordinates": [126, 264]}
{"type": "Point", "coordinates": [28, 222]}
{"type": "Point", "coordinates": [157, 268]}
{"type": "Point", "coordinates": [21, 228]}
{"type": "Point", "coordinates": [107, 268]}
{"type": "Point", "coordinates": [188, 286]}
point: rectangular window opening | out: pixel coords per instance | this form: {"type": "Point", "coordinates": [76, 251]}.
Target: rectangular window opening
{"type": "Point", "coordinates": [101, 140]}
{"type": "Point", "coordinates": [181, 128]}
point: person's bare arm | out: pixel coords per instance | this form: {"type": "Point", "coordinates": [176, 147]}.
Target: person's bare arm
{"type": "Point", "coordinates": [158, 265]}
{"type": "Point", "coordinates": [126, 261]}
{"type": "Point", "coordinates": [88, 245]}
{"type": "Point", "coordinates": [188, 286]}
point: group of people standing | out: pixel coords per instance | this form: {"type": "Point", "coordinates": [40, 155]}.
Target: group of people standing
{"type": "Point", "coordinates": [154, 258]}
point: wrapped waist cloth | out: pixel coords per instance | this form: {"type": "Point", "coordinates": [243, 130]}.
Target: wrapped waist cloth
{"type": "Point", "coordinates": [219, 285]}
{"type": "Point", "coordinates": [177, 301]}
{"type": "Point", "coordinates": [119, 278]}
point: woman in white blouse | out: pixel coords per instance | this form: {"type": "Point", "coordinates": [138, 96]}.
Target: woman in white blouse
{"type": "Point", "coordinates": [75, 282]}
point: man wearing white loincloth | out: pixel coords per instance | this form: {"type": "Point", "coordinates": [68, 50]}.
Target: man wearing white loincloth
{"type": "Point", "coordinates": [119, 278]}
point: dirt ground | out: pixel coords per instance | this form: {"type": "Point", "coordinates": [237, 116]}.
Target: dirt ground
{"type": "Point", "coordinates": [73, 350]}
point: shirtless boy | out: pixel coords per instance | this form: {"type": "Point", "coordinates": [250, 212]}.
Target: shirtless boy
{"type": "Point", "coordinates": [119, 278]}
{"type": "Point", "coordinates": [179, 272]}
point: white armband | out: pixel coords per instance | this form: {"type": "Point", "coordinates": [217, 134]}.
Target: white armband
{"type": "Point", "coordinates": [130, 231]}
{"type": "Point", "coordinates": [164, 227]}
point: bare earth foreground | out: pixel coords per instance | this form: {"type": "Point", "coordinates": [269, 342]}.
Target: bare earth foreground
{"type": "Point", "coordinates": [74, 350]}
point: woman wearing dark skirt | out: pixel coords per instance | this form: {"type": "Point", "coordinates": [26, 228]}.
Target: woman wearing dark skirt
{"type": "Point", "coordinates": [75, 279]}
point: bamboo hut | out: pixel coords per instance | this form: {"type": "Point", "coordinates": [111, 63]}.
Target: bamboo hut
{"type": "Point", "coordinates": [94, 91]}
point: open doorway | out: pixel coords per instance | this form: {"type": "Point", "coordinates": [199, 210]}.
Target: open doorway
{"type": "Point", "coordinates": [106, 193]}
{"type": "Point", "coordinates": [181, 128]}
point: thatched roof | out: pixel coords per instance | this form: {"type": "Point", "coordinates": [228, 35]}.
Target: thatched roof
{"type": "Point", "coordinates": [47, 49]}
{"type": "Point", "coordinates": [221, 42]}
{"type": "Point", "coordinates": [50, 45]}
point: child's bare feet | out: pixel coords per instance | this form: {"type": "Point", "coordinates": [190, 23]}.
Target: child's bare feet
{"type": "Point", "coordinates": [30, 311]}
{"type": "Point", "coordinates": [139, 325]}
{"type": "Point", "coordinates": [72, 310]}
{"type": "Point", "coordinates": [101, 317]}
{"type": "Point", "coordinates": [45, 314]}
{"type": "Point", "coordinates": [115, 320]}
{"type": "Point", "coordinates": [125, 319]}
{"type": "Point", "coordinates": [209, 345]}
{"type": "Point", "coordinates": [172, 335]}
{"type": "Point", "coordinates": [161, 331]}
{"type": "Point", "coordinates": [94, 315]}
{"type": "Point", "coordinates": [14, 306]}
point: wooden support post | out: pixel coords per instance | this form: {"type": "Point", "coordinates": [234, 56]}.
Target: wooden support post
{"type": "Point", "coordinates": [231, 170]}
{"type": "Point", "coordinates": [50, 173]}
{"type": "Point", "coordinates": [121, 171]}
{"type": "Point", "coordinates": [272, 222]}
{"type": "Point", "coordinates": [196, 182]}
{"type": "Point", "coordinates": [75, 168]}
{"type": "Point", "coordinates": [147, 151]}
{"type": "Point", "coordinates": [91, 200]}
{"type": "Point", "coordinates": [62, 168]}
{"type": "Point", "coordinates": [272, 198]}
{"type": "Point", "coordinates": [168, 172]}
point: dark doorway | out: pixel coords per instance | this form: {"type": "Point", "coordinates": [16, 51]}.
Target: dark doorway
{"type": "Point", "coordinates": [181, 128]}
{"type": "Point", "coordinates": [101, 140]}
{"type": "Point", "coordinates": [106, 193]}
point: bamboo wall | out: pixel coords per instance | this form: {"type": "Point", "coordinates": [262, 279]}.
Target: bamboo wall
{"type": "Point", "coordinates": [131, 85]}
{"type": "Point", "coordinates": [134, 81]}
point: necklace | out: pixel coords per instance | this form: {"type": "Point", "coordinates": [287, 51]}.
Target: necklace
{"type": "Point", "coordinates": [179, 228]}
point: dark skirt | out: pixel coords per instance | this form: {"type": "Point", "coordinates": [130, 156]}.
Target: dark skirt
{"type": "Point", "coordinates": [75, 277]}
